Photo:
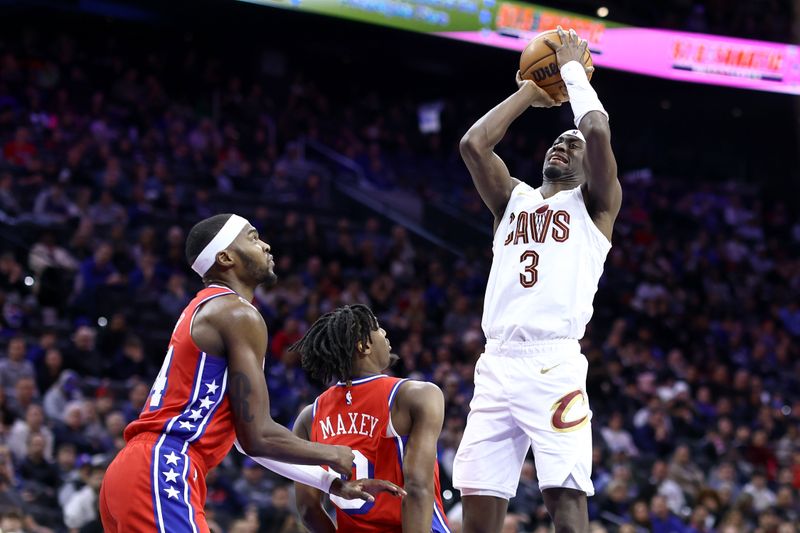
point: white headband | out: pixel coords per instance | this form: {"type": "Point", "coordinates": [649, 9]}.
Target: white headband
{"type": "Point", "coordinates": [221, 240]}
{"type": "Point", "coordinates": [574, 133]}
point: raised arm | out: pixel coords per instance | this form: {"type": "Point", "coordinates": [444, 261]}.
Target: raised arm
{"type": "Point", "coordinates": [488, 171]}
{"type": "Point", "coordinates": [424, 404]}
{"type": "Point", "coordinates": [604, 192]}
{"type": "Point", "coordinates": [242, 336]}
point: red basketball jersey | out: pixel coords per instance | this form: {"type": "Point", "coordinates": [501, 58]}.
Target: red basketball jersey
{"type": "Point", "coordinates": [187, 405]}
{"type": "Point", "coordinates": [359, 417]}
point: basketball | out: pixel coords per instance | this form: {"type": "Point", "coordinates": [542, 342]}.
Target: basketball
{"type": "Point", "coordinates": [538, 64]}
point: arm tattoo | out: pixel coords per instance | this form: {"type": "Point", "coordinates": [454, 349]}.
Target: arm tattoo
{"type": "Point", "coordinates": [239, 391]}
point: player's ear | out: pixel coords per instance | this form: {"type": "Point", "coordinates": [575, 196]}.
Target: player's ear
{"type": "Point", "coordinates": [225, 258]}
{"type": "Point", "coordinates": [364, 348]}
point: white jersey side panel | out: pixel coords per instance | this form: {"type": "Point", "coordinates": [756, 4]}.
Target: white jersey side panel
{"type": "Point", "coordinates": [548, 259]}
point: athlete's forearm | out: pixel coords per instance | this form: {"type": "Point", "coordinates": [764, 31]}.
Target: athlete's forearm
{"type": "Point", "coordinates": [491, 127]}
{"type": "Point", "coordinates": [417, 508]}
{"type": "Point", "coordinates": [582, 97]}
{"type": "Point", "coordinates": [313, 476]}
{"type": "Point", "coordinates": [278, 443]}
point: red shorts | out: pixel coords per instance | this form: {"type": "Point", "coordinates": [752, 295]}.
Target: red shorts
{"type": "Point", "coordinates": [156, 483]}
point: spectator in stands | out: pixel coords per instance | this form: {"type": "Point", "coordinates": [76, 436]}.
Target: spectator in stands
{"type": "Point", "coordinates": [175, 297]}
{"type": "Point", "coordinates": [15, 367]}
{"type": "Point", "coordinates": [618, 439]}
{"type": "Point", "coordinates": [255, 486]}
{"type": "Point", "coordinates": [80, 510]}
{"type": "Point", "coordinates": [137, 395]}
{"type": "Point", "coordinates": [660, 484]}
{"type": "Point", "coordinates": [23, 429]}
{"type": "Point", "coordinates": [684, 472]}
{"type": "Point", "coordinates": [662, 520]}
{"type": "Point", "coordinates": [63, 391]}
{"type": "Point", "coordinates": [115, 426]}
{"type": "Point", "coordinates": [11, 517]}
{"type": "Point", "coordinates": [529, 498]}
{"type": "Point", "coordinates": [25, 394]}
{"type": "Point", "coordinates": [278, 516]}
{"type": "Point", "coordinates": [640, 515]}
{"type": "Point", "coordinates": [53, 206]}
{"type": "Point", "coordinates": [82, 355]}
{"type": "Point", "coordinates": [46, 253]}
{"type": "Point", "coordinates": [106, 212]}
{"type": "Point", "coordinates": [131, 361]}
{"type": "Point", "coordinates": [49, 368]}
{"type": "Point", "coordinates": [20, 150]}
{"type": "Point", "coordinates": [71, 430]}
{"type": "Point", "coordinates": [285, 337]}
{"type": "Point", "coordinates": [39, 481]}
{"type": "Point", "coordinates": [7, 416]}
{"type": "Point", "coordinates": [763, 497]}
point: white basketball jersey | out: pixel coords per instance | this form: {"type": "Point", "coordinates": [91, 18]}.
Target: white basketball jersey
{"type": "Point", "coordinates": [548, 258]}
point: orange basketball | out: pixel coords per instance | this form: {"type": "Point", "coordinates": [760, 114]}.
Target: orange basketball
{"type": "Point", "coordinates": [538, 63]}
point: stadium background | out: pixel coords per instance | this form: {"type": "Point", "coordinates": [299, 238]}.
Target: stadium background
{"type": "Point", "coordinates": [122, 124]}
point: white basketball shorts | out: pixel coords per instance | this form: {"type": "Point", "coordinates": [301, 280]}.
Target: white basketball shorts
{"type": "Point", "coordinates": [527, 394]}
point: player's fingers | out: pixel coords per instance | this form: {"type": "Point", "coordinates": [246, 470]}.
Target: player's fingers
{"type": "Point", "coordinates": [573, 36]}
{"type": "Point", "coordinates": [388, 486]}
{"type": "Point", "coordinates": [376, 486]}
{"type": "Point", "coordinates": [584, 44]}
{"type": "Point", "coordinates": [589, 70]}
{"type": "Point", "coordinates": [363, 495]}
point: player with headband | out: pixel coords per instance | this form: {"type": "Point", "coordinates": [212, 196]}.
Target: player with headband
{"type": "Point", "coordinates": [211, 392]}
{"type": "Point", "coordinates": [549, 247]}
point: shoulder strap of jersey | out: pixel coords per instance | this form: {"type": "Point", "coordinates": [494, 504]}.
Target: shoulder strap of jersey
{"type": "Point", "coordinates": [314, 409]}
{"type": "Point", "coordinates": [205, 295]}
{"type": "Point", "coordinates": [211, 292]}
{"type": "Point", "coordinates": [393, 392]}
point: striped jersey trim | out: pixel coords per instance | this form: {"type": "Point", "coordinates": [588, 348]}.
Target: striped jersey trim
{"type": "Point", "coordinates": [361, 380]}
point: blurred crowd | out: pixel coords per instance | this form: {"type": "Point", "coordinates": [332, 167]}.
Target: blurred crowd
{"type": "Point", "coordinates": [105, 163]}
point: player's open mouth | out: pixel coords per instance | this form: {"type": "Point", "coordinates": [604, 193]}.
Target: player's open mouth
{"type": "Point", "coordinates": [560, 159]}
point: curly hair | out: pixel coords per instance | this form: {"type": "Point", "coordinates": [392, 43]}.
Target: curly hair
{"type": "Point", "coordinates": [328, 346]}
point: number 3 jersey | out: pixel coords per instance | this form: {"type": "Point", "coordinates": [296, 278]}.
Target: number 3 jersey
{"type": "Point", "coordinates": [548, 259]}
{"type": "Point", "coordinates": [359, 416]}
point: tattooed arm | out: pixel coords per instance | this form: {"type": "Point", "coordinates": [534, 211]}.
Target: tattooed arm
{"type": "Point", "coordinates": [237, 329]}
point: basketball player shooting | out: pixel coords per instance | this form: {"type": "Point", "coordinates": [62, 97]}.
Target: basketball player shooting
{"type": "Point", "coordinates": [549, 247]}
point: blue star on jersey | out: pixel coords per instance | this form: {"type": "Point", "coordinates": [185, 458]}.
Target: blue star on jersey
{"type": "Point", "coordinates": [207, 393]}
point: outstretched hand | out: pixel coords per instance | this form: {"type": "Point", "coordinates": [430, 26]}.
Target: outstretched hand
{"type": "Point", "coordinates": [538, 96]}
{"type": "Point", "coordinates": [572, 48]}
{"type": "Point", "coordinates": [364, 489]}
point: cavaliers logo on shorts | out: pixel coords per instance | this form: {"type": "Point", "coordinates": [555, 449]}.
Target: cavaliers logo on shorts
{"type": "Point", "coordinates": [561, 420]}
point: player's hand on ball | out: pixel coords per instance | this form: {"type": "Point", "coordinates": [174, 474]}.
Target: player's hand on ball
{"type": "Point", "coordinates": [572, 48]}
{"type": "Point", "coordinates": [364, 489]}
{"type": "Point", "coordinates": [539, 97]}
{"type": "Point", "coordinates": [342, 462]}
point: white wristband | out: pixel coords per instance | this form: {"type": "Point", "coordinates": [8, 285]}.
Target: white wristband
{"type": "Point", "coordinates": [582, 96]}
{"type": "Point", "coordinates": [313, 476]}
